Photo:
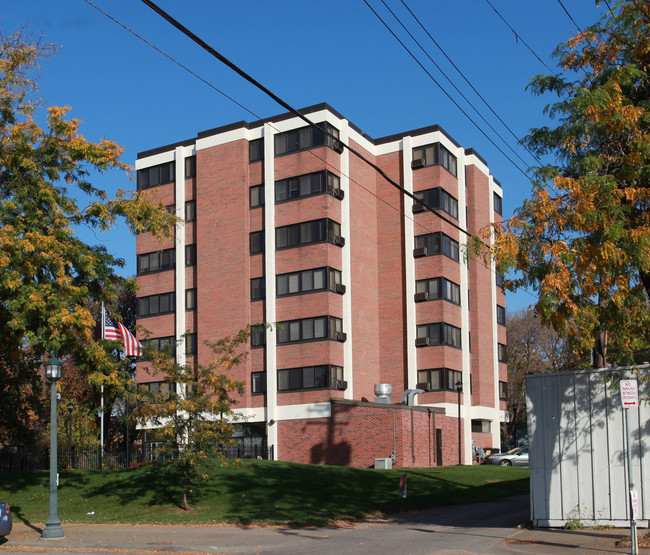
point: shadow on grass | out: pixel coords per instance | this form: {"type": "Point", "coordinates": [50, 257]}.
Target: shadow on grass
{"type": "Point", "coordinates": [17, 513]}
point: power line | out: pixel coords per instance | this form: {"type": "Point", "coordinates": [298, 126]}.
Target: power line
{"type": "Point", "coordinates": [569, 16]}
{"type": "Point", "coordinates": [442, 89]}
{"type": "Point", "coordinates": [520, 38]}
{"type": "Point", "coordinates": [468, 82]}
{"type": "Point", "coordinates": [450, 81]}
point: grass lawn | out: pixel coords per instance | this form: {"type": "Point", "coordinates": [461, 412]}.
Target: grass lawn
{"type": "Point", "coordinates": [269, 492]}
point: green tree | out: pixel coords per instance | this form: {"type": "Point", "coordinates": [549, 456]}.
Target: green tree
{"type": "Point", "coordinates": [190, 408]}
{"type": "Point", "coordinates": [583, 238]}
{"type": "Point", "coordinates": [49, 275]}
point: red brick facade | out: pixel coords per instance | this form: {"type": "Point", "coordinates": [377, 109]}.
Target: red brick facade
{"type": "Point", "coordinates": [327, 422]}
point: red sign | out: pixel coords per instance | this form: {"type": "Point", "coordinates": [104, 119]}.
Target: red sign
{"type": "Point", "coordinates": [629, 393]}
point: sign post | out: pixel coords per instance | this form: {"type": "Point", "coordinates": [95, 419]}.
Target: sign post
{"type": "Point", "coordinates": [630, 399]}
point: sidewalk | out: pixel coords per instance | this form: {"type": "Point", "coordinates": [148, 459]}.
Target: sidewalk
{"type": "Point", "coordinates": [479, 528]}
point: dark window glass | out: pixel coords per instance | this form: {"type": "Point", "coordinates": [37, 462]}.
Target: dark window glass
{"type": "Point", "coordinates": [435, 155]}
{"type": "Point", "coordinates": [439, 288]}
{"type": "Point", "coordinates": [156, 175]}
{"type": "Point", "coordinates": [503, 353]}
{"type": "Point", "coordinates": [306, 185]}
{"type": "Point", "coordinates": [258, 289]}
{"type": "Point", "coordinates": [307, 233]}
{"type": "Point", "coordinates": [190, 255]}
{"type": "Point", "coordinates": [190, 211]}
{"type": "Point", "coordinates": [256, 150]}
{"type": "Point", "coordinates": [503, 391]}
{"type": "Point", "coordinates": [439, 199]}
{"type": "Point", "coordinates": [310, 377]}
{"type": "Point", "coordinates": [438, 334]}
{"type": "Point", "coordinates": [440, 379]}
{"type": "Point", "coordinates": [499, 279]}
{"type": "Point", "coordinates": [501, 315]}
{"type": "Point", "coordinates": [306, 137]}
{"type": "Point", "coordinates": [190, 299]}
{"type": "Point", "coordinates": [309, 329]}
{"type": "Point", "coordinates": [258, 382]}
{"type": "Point", "coordinates": [257, 242]}
{"type": "Point", "coordinates": [307, 281]}
{"type": "Point", "coordinates": [258, 335]}
{"type": "Point", "coordinates": [438, 243]}
{"type": "Point", "coordinates": [256, 196]}
{"type": "Point", "coordinates": [190, 167]}
{"type": "Point", "coordinates": [498, 204]}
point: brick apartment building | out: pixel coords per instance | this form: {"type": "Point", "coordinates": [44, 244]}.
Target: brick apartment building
{"type": "Point", "coordinates": [284, 225]}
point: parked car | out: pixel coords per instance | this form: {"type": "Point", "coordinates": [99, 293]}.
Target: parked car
{"type": "Point", "coordinates": [515, 457]}
{"type": "Point", "coordinates": [5, 519]}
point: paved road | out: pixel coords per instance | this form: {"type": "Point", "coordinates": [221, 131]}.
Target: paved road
{"type": "Point", "coordinates": [482, 528]}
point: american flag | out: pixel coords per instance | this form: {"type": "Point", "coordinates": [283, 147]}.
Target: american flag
{"type": "Point", "coordinates": [117, 332]}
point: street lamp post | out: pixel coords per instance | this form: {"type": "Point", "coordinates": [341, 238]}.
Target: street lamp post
{"type": "Point", "coordinates": [53, 524]}
{"type": "Point", "coordinates": [70, 409]}
{"type": "Point", "coordinates": [459, 388]}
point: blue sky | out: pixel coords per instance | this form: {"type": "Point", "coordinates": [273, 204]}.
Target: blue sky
{"type": "Point", "coordinates": [306, 52]}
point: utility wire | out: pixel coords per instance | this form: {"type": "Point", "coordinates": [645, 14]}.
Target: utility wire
{"type": "Point", "coordinates": [291, 109]}
{"type": "Point", "coordinates": [569, 15]}
{"type": "Point", "coordinates": [519, 141]}
{"type": "Point", "coordinates": [520, 38]}
{"type": "Point", "coordinates": [442, 89]}
{"type": "Point", "coordinates": [451, 82]}
{"type": "Point", "coordinates": [429, 208]}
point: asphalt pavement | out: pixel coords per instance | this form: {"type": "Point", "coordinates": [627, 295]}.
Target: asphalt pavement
{"type": "Point", "coordinates": [483, 528]}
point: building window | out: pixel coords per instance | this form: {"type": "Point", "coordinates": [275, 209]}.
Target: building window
{"type": "Point", "coordinates": [168, 344]}
{"type": "Point", "coordinates": [499, 279]}
{"type": "Point", "coordinates": [498, 204]}
{"type": "Point", "coordinates": [258, 383]}
{"type": "Point", "coordinates": [481, 426]}
{"type": "Point", "coordinates": [503, 391]}
{"type": "Point", "coordinates": [190, 167]}
{"type": "Point", "coordinates": [258, 289]}
{"type": "Point", "coordinates": [306, 137]}
{"type": "Point", "coordinates": [156, 175]}
{"type": "Point", "coordinates": [190, 211]}
{"type": "Point", "coordinates": [257, 242]}
{"type": "Point", "coordinates": [307, 281]}
{"type": "Point", "coordinates": [190, 299]}
{"type": "Point", "coordinates": [306, 186]}
{"type": "Point", "coordinates": [153, 305]}
{"type": "Point", "coordinates": [160, 261]}
{"type": "Point", "coordinates": [438, 334]}
{"type": "Point", "coordinates": [436, 289]}
{"type": "Point", "coordinates": [438, 199]}
{"type": "Point", "coordinates": [439, 379]}
{"type": "Point", "coordinates": [310, 329]}
{"type": "Point", "coordinates": [310, 377]}
{"type": "Point", "coordinates": [432, 244]}
{"type": "Point", "coordinates": [258, 335]}
{"type": "Point", "coordinates": [502, 352]}
{"type": "Point", "coordinates": [501, 315]}
{"type": "Point", "coordinates": [434, 155]}
{"type": "Point", "coordinates": [307, 233]}
{"type": "Point", "coordinates": [256, 150]}
{"type": "Point", "coordinates": [164, 388]}
{"type": "Point", "coordinates": [256, 195]}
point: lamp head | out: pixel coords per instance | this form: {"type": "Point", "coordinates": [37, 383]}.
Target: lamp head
{"type": "Point", "coordinates": [459, 386]}
{"type": "Point", "coordinates": [53, 369]}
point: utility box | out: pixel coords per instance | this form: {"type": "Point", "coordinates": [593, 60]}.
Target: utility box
{"type": "Point", "coordinates": [385, 463]}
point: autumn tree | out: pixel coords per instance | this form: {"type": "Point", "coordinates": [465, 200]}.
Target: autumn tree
{"type": "Point", "coordinates": [49, 274]}
{"type": "Point", "coordinates": [191, 408]}
{"type": "Point", "coordinates": [583, 238]}
{"type": "Point", "coordinates": [533, 348]}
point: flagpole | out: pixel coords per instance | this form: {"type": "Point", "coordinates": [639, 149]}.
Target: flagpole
{"type": "Point", "coordinates": [101, 405]}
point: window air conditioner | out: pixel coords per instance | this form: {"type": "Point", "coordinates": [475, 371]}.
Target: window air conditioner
{"type": "Point", "coordinates": [418, 207]}
{"type": "Point", "coordinates": [339, 288]}
{"type": "Point", "coordinates": [337, 146]}
{"type": "Point", "coordinates": [341, 385]}
{"type": "Point", "coordinates": [340, 336]}
{"type": "Point", "coordinates": [417, 163]}
{"type": "Point", "coordinates": [422, 296]}
{"type": "Point", "coordinates": [419, 252]}
{"type": "Point", "coordinates": [338, 193]}
{"type": "Point", "coordinates": [422, 342]}
{"type": "Point", "coordinates": [339, 241]}
{"type": "Point", "coordinates": [424, 385]}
